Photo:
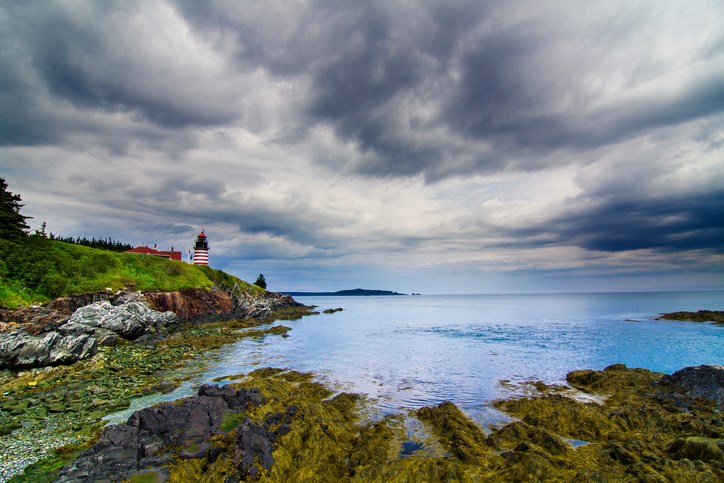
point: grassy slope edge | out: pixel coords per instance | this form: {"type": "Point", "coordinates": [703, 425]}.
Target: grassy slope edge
{"type": "Point", "coordinates": [39, 270]}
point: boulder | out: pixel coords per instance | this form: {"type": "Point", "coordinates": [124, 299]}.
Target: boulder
{"type": "Point", "coordinates": [129, 320]}
{"type": "Point", "coordinates": [20, 349]}
{"type": "Point", "coordinates": [697, 448]}
{"type": "Point", "coordinates": [158, 435]}
{"type": "Point", "coordinates": [98, 323]}
{"type": "Point", "coordinates": [265, 305]}
{"type": "Point", "coordinates": [705, 381]}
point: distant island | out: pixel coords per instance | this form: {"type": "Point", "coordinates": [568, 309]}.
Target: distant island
{"type": "Point", "coordinates": [701, 316]}
{"type": "Point", "coordinates": [357, 292]}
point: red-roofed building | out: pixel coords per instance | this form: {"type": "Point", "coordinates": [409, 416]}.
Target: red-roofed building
{"type": "Point", "coordinates": [171, 255]}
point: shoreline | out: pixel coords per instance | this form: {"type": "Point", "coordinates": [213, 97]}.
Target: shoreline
{"type": "Point", "coordinates": [73, 401]}
{"type": "Point", "coordinates": [75, 398]}
{"type": "Point", "coordinates": [548, 431]}
{"type": "Point", "coordinates": [649, 425]}
{"type": "Point", "coordinates": [711, 316]}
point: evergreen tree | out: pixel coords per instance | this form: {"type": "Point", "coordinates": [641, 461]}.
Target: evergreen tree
{"type": "Point", "coordinates": [260, 281]}
{"type": "Point", "coordinates": [12, 223]}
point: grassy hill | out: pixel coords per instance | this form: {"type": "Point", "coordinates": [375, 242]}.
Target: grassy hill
{"type": "Point", "coordinates": [38, 270]}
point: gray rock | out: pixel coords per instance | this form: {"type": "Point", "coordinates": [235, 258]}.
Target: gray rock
{"type": "Point", "coordinates": [129, 320]}
{"type": "Point", "coordinates": [705, 381]}
{"type": "Point", "coordinates": [158, 435]}
{"type": "Point", "coordinates": [72, 348]}
{"type": "Point", "coordinates": [20, 349]}
{"type": "Point", "coordinates": [126, 297]}
{"type": "Point", "coordinates": [99, 322]}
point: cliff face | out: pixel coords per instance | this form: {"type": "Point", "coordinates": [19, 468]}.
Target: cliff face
{"type": "Point", "coordinates": [199, 304]}
{"type": "Point", "coordinates": [192, 303]}
{"type": "Point", "coordinates": [60, 333]}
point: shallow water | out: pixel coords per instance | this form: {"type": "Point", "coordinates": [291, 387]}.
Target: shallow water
{"type": "Point", "coordinates": [412, 351]}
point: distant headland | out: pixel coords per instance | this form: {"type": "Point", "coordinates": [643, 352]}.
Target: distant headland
{"type": "Point", "coordinates": [357, 292]}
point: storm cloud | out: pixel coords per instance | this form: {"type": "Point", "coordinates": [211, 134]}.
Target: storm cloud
{"type": "Point", "coordinates": [444, 144]}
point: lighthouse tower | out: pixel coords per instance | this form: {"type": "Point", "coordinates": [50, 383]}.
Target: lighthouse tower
{"type": "Point", "coordinates": [201, 250]}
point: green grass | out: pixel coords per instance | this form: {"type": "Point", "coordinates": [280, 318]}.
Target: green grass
{"type": "Point", "coordinates": [40, 269]}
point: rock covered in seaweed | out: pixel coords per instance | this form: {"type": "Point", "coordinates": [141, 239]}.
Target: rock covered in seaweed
{"type": "Point", "coordinates": [303, 432]}
{"type": "Point", "coordinates": [716, 316]}
{"type": "Point", "coordinates": [705, 381]}
{"type": "Point", "coordinates": [156, 436]}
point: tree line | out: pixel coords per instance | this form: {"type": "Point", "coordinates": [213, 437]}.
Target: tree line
{"type": "Point", "coordinates": [14, 228]}
{"type": "Point", "coordinates": [106, 244]}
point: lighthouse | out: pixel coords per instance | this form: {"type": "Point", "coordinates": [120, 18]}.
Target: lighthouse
{"type": "Point", "coordinates": [201, 250]}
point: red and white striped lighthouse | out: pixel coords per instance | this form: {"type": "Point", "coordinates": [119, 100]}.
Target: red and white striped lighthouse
{"type": "Point", "coordinates": [201, 250]}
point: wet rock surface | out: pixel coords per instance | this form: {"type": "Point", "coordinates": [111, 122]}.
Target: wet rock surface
{"type": "Point", "coordinates": [705, 381]}
{"type": "Point", "coordinates": [156, 436]}
{"type": "Point", "coordinates": [279, 425]}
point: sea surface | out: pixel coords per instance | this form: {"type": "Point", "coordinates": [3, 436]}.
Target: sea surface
{"type": "Point", "coordinates": [406, 352]}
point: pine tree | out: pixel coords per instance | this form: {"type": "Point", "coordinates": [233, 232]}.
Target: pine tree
{"type": "Point", "coordinates": [260, 281]}
{"type": "Point", "coordinates": [12, 223]}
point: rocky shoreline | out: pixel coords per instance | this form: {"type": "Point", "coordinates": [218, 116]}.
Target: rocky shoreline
{"type": "Point", "coordinates": [715, 316]}
{"type": "Point", "coordinates": [128, 349]}
{"type": "Point", "coordinates": [280, 425]}
{"type": "Point", "coordinates": [72, 328]}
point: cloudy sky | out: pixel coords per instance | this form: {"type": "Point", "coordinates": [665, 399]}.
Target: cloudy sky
{"type": "Point", "coordinates": [418, 146]}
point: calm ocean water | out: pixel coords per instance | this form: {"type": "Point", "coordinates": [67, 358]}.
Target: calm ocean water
{"type": "Point", "coordinates": [412, 351]}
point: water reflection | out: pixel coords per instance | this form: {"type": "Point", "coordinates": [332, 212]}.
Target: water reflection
{"type": "Point", "coordinates": [408, 352]}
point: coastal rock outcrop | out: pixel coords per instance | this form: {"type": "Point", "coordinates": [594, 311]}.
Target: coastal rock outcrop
{"type": "Point", "coordinates": [71, 328]}
{"type": "Point", "coordinates": [705, 381]}
{"type": "Point", "coordinates": [265, 306]}
{"type": "Point", "coordinates": [156, 436]}
{"type": "Point", "coordinates": [77, 339]}
{"type": "Point", "coordinates": [715, 316]}
{"type": "Point", "coordinates": [195, 303]}
{"type": "Point", "coordinates": [129, 320]}
{"type": "Point", "coordinates": [191, 303]}
{"type": "Point", "coordinates": [20, 349]}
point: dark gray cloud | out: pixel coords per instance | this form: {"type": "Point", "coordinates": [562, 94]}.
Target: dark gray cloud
{"type": "Point", "coordinates": [416, 86]}
{"type": "Point", "coordinates": [668, 222]}
{"type": "Point", "coordinates": [174, 115]}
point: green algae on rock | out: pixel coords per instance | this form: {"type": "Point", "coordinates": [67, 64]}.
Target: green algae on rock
{"type": "Point", "coordinates": [716, 316]}
{"type": "Point", "coordinates": [640, 431]}
{"type": "Point", "coordinates": [75, 398]}
{"type": "Point", "coordinates": [303, 431]}
{"type": "Point", "coordinates": [644, 427]}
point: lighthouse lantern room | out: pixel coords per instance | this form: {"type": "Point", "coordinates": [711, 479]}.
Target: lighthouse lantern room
{"type": "Point", "coordinates": [201, 250]}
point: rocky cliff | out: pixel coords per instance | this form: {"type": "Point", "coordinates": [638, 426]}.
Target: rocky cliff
{"type": "Point", "coordinates": [198, 304]}
{"type": "Point", "coordinates": [70, 328]}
